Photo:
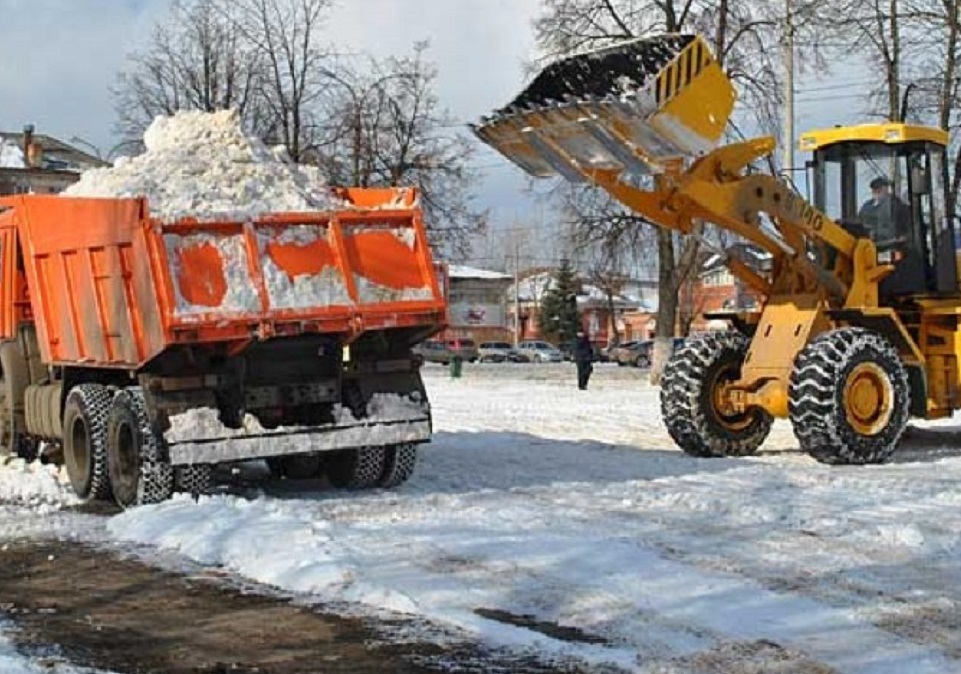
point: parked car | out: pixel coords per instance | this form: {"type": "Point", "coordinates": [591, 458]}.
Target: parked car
{"type": "Point", "coordinates": [617, 353]}
{"type": "Point", "coordinates": [497, 352]}
{"type": "Point", "coordinates": [432, 351]}
{"type": "Point", "coordinates": [637, 354]}
{"type": "Point", "coordinates": [536, 351]}
{"type": "Point", "coordinates": [437, 351]}
{"type": "Point", "coordinates": [641, 354]}
{"type": "Point", "coordinates": [465, 348]}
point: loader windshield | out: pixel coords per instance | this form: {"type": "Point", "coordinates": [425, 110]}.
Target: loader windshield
{"type": "Point", "coordinates": [888, 192]}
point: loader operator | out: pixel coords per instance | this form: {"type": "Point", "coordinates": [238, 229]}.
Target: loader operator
{"type": "Point", "coordinates": [885, 216]}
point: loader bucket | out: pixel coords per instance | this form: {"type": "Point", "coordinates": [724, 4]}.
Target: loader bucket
{"type": "Point", "coordinates": [633, 107]}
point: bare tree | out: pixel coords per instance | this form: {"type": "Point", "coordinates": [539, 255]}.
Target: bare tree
{"type": "Point", "coordinates": [286, 37]}
{"type": "Point", "coordinates": [194, 60]}
{"type": "Point", "coordinates": [391, 131]}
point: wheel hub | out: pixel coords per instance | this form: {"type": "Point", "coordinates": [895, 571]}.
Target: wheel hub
{"type": "Point", "coordinates": [722, 401]}
{"type": "Point", "coordinates": [868, 399]}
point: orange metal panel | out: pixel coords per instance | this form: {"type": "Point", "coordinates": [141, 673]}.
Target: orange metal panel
{"type": "Point", "coordinates": [111, 287]}
{"type": "Point", "coordinates": [8, 277]}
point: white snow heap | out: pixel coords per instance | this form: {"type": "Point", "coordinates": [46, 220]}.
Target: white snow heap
{"type": "Point", "coordinates": [11, 155]}
{"type": "Point", "coordinates": [203, 165]}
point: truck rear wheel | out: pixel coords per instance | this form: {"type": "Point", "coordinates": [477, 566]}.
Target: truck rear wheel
{"type": "Point", "coordinates": [399, 463]}
{"type": "Point", "coordinates": [357, 468]}
{"type": "Point", "coordinates": [194, 479]}
{"type": "Point", "coordinates": [849, 398]}
{"type": "Point", "coordinates": [692, 403]}
{"type": "Point", "coordinates": [138, 473]}
{"type": "Point", "coordinates": [85, 440]}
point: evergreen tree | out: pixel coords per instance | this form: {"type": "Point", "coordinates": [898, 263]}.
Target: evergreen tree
{"type": "Point", "coordinates": [559, 318]}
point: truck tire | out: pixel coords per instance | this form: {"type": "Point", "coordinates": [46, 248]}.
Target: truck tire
{"type": "Point", "coordinates": [138, 473]}
{"type": "Point", "coordinates": [357, 468]}
{"type": "Point", "coordinates": [399, 463]}
{"type": "Point", "coordinates": [194, 479]}
{"type": "Point", "coordinates": [849, 400]}
{"type": "Point", "coordinates": [85, 440]}
{"type": "Point", "coordinates": [688, 402]}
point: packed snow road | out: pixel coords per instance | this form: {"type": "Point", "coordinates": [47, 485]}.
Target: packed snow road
{"type": "Point", "coordinates": [563, 524]}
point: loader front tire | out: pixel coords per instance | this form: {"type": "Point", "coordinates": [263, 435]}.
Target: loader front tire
{"type": "Point", "coordinates": [138, 473]}
{"type": "Point", "coordinates": [85, 440]}
{"type": "Point", "coordinates": [849, 399]}
{"type": "Point", "coordinates": [692, 404]}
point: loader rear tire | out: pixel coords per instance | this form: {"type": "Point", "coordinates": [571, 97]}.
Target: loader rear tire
{"type": "Point", "coordinates": [85, 440]}
{"type": "Point", "coordinates": [849, 399]}
{"type": "Point", "coordinates": [138, 473]}
{"type": "Point", "coordinates": [690, 404]}
{"type": "Point", "coordinates": [399, 463]}
{"type": "Point", "coordinates": [357, 468]}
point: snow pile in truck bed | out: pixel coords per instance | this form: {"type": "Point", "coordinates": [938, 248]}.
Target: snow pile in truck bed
{"type": "Point", "coordinates": [202, 165]}
{"type": "Point", "coordinates": [11, 156]}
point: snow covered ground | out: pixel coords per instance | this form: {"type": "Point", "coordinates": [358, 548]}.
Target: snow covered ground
{"type": "Point", "coordinates": [563, 523]}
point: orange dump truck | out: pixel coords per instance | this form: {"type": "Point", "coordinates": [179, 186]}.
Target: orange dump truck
{"type": "Point", "coordinates": [147, 352]}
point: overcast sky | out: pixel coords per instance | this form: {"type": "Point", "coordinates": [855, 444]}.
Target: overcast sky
{"type": "Point", "coordinates": [59, 58]}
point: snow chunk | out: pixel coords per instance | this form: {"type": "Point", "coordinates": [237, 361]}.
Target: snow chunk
{"type": "Point", "coordinates": [240, 295]}
{"type": "Point", "coordinates": [370, 293]}
{"type": "Point", "coordinates": [323, 289]}
{"type": "Point", "coordinates": [35, 485]}
{"type": "Point", "coordinates": [202, 165]}
{"type": "Point", "coordinates": [11, 155]}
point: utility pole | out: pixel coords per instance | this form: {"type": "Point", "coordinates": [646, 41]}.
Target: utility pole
{"type": "Point", "coordinates": [517, 290]}
{"type": "Point", "coordinates": [789, 89]}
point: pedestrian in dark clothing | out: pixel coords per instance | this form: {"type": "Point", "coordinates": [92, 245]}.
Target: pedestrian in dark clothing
{"type": "Point", "coordinates": [584, 359]}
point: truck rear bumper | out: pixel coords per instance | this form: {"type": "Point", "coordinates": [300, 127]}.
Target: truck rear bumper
{"type": "Point", "coordinates": [287, 441]}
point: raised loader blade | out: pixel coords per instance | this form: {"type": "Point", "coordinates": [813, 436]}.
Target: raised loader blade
{"type": "Point", "coordinates": [633, 107]}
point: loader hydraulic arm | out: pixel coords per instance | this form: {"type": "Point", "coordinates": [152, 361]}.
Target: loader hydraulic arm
{"type": "Point", "coordinates": [765, 211]}
{"type": "Point", "coordinates": [643, 121]}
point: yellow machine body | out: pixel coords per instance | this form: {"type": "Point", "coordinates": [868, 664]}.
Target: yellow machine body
{"type": "Point", "coordinates": [652, 140]}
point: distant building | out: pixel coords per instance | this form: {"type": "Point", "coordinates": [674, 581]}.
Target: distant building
{"type": "Point", "coordinates": [715, 288]}
{"type": "Point", "coordinates": [40, 164]}
{"type": "Point", "coordinates": [594, 303]}
{"type": "Point", "coordinates": [476, 304]}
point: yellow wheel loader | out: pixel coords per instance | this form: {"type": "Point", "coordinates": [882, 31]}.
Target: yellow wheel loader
{"type": "Point", "coordinates": [858, 330]}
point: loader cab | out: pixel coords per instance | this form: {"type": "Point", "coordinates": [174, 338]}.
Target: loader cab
{"type": "Point", "coordinates": [888, 182]}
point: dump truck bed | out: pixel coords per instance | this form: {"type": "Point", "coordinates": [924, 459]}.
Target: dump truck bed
{"type": "Point", "coordinates": [110, 286]}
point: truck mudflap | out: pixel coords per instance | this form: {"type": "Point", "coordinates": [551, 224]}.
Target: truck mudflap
{"type": "Point", "coordinates": [302, 440]}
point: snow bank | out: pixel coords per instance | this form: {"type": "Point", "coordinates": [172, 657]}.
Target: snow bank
{"type": "Point", "coordinates": [518, 507]}
{"type": "Point", "coordinates": [202, 165]}
{"type": "Point", "coordinates": [36, 485]}
{"type": "Point", "coordinates": [11, 155]}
